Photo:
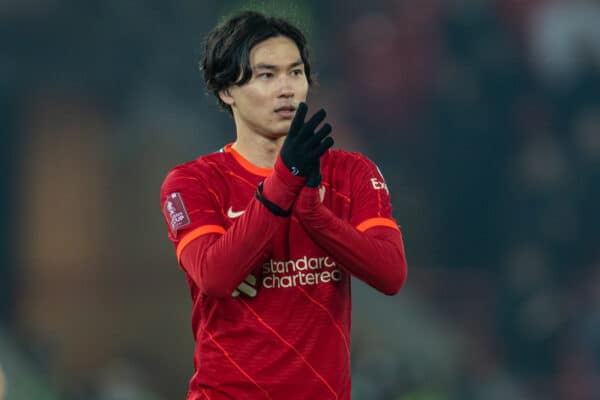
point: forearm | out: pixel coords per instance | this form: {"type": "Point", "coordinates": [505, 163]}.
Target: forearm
{"type": "Point", "coordinates": [218, 263]}
{"type": "Point", "coordinates": [376, 256]}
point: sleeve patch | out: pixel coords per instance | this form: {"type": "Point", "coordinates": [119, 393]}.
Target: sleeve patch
{"type": "Point", "coordinates": [175, 212]}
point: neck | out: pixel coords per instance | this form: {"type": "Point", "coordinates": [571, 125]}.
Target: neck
{"type": "Point", "coordinates": [259, 150]}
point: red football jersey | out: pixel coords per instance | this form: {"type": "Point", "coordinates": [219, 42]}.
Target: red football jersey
{"type": "Point", "coordinates": [287, 336]}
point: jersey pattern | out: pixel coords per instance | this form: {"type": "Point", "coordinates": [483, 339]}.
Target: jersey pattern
{"type": "Point", "coordinates": [288, 338]}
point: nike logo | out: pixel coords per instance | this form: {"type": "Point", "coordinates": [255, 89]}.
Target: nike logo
{"type": "Point", "coordinates": [234, 214]}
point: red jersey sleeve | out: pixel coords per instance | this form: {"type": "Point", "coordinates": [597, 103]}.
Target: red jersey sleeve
{"type": "Point", "coordinates": [371, 201]}
{"type": "Point", "coordinates": [190, 208]}
{"type": "Point", "coordinates": [370, 246]}
{"type": "Point", "coordinates": [215, 253]}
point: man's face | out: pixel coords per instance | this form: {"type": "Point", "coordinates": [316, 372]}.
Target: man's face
{"type": "Point", "coordinates": [266, 104]}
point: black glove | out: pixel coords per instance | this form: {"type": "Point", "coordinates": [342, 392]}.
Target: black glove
{"type": "Point", "coordinates": [303, 147]}
{"type": "Point", "coordinates": [313, 180]}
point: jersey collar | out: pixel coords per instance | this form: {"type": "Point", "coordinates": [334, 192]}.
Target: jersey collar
{"type": "Point", "coordinates": [247, 165]}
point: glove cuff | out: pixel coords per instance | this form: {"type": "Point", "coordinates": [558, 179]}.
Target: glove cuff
{"type": "Point", "coordinates": [314, 179]}
{"type": "Point", "coordinates": [274, 208]}
{"type": "Point", "coordinates": [282, 187]}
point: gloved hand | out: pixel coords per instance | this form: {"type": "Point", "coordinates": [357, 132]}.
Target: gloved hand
{"type": "Point", "coordinates": [313, 180]}
{"type": "Point", "coordinates": [303, 147]}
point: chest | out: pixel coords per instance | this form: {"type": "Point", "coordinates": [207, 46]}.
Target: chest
{"type": "Point", "coordinates": [335, 194]}
{"type": "Point", "coordinates": [292, 241]}
{"type": "Point", "coordinates": [293, 259]}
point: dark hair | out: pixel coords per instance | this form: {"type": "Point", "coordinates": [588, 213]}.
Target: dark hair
{"type": "Point", "coordinates": [227, 49]}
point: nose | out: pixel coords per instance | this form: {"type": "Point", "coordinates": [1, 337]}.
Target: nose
{"type": "Point", "coordinates": [286, 88]}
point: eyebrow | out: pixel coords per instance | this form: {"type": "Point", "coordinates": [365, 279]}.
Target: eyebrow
{"type": "Point", "coordinates": [273, 67]}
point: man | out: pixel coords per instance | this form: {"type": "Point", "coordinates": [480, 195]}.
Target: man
{"type": "Point", "coordinates": [269, 229]}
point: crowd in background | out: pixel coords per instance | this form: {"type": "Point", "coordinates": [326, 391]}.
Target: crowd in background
{"type": "Point", "coordinates": [484, 117]}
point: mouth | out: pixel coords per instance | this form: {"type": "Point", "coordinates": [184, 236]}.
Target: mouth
{"type": "Point", "coordinates": [286, 112]}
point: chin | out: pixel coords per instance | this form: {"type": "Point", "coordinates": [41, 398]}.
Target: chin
{"type": "Point", "coordinates": [281, 128]}
{"type": "Point", "coordinates": [273, 132]}
{"type": "Point", "coordinates": [277, 135]}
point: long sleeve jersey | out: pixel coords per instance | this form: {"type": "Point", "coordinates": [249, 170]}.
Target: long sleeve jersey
{"type": "Point", "coordinates": [271, 295]}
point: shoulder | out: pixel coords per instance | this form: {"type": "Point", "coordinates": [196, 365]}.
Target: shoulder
{"type": "Point", "coordinates": [350, 161]}
{"type": "Point", "coordinates": [205, 170]}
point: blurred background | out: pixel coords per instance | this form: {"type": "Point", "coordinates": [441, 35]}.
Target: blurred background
{"type": "Point", "coordinates": [484, 116]}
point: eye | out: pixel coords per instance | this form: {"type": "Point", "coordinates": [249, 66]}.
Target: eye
{"type": "Point", "coordinates": [297, 72]}
{"type": "Point", "coordinates": [265, 75]}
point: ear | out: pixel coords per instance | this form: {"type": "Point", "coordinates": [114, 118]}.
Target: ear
{"type": "Point", "coordinates": [225, 96]}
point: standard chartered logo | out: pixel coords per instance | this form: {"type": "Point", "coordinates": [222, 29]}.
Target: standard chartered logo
{"type": "Point", "coordinates": [304, 271]}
